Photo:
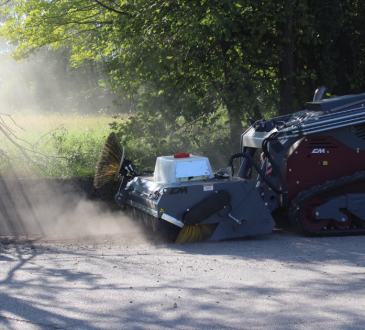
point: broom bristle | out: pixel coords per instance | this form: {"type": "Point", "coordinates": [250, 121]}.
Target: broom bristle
{"type": "Point", "coordinates": [192, 234]}
{"type": "Point", "coordinates": [109, 161]}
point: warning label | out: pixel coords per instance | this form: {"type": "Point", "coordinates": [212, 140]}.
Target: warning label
{"type": "Point", "coordinates": [208, 187]}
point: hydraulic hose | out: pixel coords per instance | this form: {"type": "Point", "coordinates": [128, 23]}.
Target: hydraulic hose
{"type": "Point", "coordinates": [258, 168]}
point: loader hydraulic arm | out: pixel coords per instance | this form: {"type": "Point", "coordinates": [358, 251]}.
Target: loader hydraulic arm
{"type": "Point", "coordinates": [245, 171]}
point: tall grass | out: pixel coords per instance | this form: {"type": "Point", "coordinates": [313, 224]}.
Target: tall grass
{"type": "Point", "coordinates": [65, 145]}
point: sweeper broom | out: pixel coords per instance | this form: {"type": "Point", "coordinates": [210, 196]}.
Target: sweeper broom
{"type": "Point", "coordinates": [312, 165]}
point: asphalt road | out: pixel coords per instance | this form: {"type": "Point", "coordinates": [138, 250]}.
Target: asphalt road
{"type": "Point", "coordinates": [129, 281]}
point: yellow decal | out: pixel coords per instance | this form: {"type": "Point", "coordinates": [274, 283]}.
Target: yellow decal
{"type": "Point", "coordinates": [162, 211]}
{"type": "Point", "coordinates": [325, 162]}
{"type": "Point", "coordinates": [208, 187]}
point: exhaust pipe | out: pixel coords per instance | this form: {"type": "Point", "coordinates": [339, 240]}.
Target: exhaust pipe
{"type": "Point", "coordinates": [318, 94]}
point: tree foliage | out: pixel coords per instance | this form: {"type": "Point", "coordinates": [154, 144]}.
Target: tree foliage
{"type": "Point", "coordinates": [182, 63]}
{"type": "Point", "coordinates": [329, 48]}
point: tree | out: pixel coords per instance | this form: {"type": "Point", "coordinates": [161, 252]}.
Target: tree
{"type": "Point", "coordinates": [188, 59]}
{"type": "Point", "coordinates": [191, 56]}
{"type": "Point", "coordinates": [328, 43]}
{"type": "Point", "coordinates": [203, 54]}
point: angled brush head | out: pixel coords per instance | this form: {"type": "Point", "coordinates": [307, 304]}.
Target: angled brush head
{"type": "Point", "coordinates": [109, 163]}
{"type": "Point", "coordinates": [192, 234]}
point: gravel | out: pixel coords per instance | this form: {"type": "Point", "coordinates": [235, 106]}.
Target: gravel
{"type": "Point", "coordinates": [131, 281]}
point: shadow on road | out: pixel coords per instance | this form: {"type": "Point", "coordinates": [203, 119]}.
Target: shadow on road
{"type": "Point", "coordinates": [207, 299]}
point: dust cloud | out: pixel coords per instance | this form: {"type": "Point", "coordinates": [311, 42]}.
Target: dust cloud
{"type": "Point", "coordinates": [47, 82]}
{"type": "Point", "coordinates": [50, 207]}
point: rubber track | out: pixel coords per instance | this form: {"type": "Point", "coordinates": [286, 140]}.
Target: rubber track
{"type": "Point", "coordinates": [298, 202]}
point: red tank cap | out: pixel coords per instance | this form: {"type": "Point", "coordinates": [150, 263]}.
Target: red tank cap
{"type": "Point", "coordinates": [182, 155]}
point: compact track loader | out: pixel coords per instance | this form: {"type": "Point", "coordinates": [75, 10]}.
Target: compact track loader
{"type": "Point", "coordinates": [312, 165]}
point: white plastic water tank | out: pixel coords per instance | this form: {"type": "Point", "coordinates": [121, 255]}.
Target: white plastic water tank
{"type": "Point", "coordinates": [170, 169]}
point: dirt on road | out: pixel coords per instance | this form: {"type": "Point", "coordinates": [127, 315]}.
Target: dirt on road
{"type": "Point", "coordinates": [130, 280]}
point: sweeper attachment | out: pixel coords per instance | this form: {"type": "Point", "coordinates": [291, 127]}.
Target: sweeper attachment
{"type": "Point", "coordinates": [186, 202]}
{"type": "Point", "coordinates": [312, 166]}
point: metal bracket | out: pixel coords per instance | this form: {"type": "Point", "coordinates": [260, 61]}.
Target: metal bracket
{"type": "Point", "coordinates": [226, 213]}
{"type": "Point", "coordinates": [234, 219]}
{"type": "Point", "coordinates": [354, 203]}
{"type": "Point", "coordinates": [331, 210]}
{"type": "Point", "coordinates": [172, 220]}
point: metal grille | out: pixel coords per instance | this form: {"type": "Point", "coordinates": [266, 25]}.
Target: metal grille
{"type": "Point", "coordinates": [320, 143]}
{"type": "Point", "coordinates": [359, 131]}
